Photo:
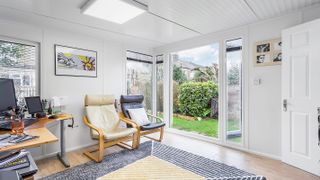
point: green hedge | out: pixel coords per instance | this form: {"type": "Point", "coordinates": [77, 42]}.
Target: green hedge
{"type": "Point", "coordinates": [195, 97]}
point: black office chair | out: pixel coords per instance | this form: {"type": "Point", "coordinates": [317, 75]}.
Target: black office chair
{"type": "Point", "coordinates": [135, 102]}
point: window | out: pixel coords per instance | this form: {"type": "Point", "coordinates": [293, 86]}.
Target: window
{"type": "Point", "coordinates": [234, 90]}
{"type": "Point", "coordinates": [139, 76]}
{"type": "Point", "coordinates": [159, 85]}
{"type": "Point", "coordinates": [20, 62]}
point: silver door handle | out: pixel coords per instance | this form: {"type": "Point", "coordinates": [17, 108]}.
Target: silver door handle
{"type": "Point", "coordinates": [285, 105]}
{"type": "Point", "coordinates": [318, 126]}
{"type": "Point", "coordinates": [319, 130]}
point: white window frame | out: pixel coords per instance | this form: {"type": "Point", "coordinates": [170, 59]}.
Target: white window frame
{"type": "Point", "coordinates": [153, 97]}
{"type": "Point", "coordinates": [225, 139]}
{"type": "Point", "coordinates": [37, 58]}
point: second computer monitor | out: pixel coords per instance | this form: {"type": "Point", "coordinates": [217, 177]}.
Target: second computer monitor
{"type": "Point", "coordinates": [34, 104]}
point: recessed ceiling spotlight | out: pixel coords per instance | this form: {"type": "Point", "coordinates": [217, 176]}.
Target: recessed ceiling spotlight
{"type": "Point", "coordinates": [117, 11]}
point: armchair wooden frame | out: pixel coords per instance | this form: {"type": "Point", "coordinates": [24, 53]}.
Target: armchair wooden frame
{"type": "Point", "coordinates": [105, 144]}
{"type": "Point", "coordinates": [146, 132]}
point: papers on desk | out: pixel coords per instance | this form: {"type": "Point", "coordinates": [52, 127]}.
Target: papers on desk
{"type": "Point", "coordinates": [14, 160]}
{"type": "Point", "coordinates": [9, 139]}
{"type": "Point", "coordinates": [19, 160]}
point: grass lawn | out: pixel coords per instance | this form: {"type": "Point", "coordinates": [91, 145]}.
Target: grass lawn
{"type": "Point", "coordinates": [208, 127]}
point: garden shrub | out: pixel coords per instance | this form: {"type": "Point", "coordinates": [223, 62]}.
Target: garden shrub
{"type": "Point", "coordinates": [195, 97]}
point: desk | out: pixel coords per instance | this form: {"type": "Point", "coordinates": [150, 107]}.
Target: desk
{"type": "Point", "coordinates": [45, 137]}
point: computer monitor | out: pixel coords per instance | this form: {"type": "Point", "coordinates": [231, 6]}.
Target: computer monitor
{"type": "Point", "coordinates": [7, 94]}
{"type": "Point", "coordinates": [34, 104]}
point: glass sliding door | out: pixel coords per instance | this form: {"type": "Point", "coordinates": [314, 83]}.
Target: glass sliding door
{"type": "Point", "coordinates": [234, 90]}
{"type": "Point", "coordinates": [139, 76]}
{"type": "Point", "coordinates": [195, 90]}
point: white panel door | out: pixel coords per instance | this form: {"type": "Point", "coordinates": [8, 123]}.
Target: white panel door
{"type": "Point", "coordinates": [301, 96]}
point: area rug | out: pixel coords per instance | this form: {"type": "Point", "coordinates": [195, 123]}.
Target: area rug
{"type": "Point", "coordinates": [151, 167]}
{"type": "Point", "coordinates": [197, 165]}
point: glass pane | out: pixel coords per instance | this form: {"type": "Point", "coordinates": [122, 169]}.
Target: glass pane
{"type": "Point", "coordinates": [234, 90]}
{"type": "Point", "coordinates": [18, 62]}
{"type": "Point", "coordinates": [139, 81]}
{"type": "Point", "coordinates": [195, 90]}
{"type": "Point", "coordinates": [159, 88]}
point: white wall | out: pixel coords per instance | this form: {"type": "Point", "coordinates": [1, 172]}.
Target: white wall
{"type": "Point", "coordinates": [111, 74]}
{"type": "Point", "coordinates": [265, 99]}
{"type": "Point", "coordinates": [263, 102]}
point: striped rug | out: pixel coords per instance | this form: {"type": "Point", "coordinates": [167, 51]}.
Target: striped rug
{"type": "Point", "coordinates": [155, 154]}
{"type": "Point", "coordinates": [149, 168]}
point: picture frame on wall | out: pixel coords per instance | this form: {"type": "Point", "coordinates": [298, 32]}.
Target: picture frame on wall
{"type": "Point", "coordinates": [77, 62]}
{"type": "Point", "coordinates": [268, 53]}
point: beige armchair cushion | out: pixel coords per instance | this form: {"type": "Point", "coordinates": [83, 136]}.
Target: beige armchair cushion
{"type": "Point", "coordinates": [101, 113]}
{"type": "Point", "coordinates": [116, 133]}
{"type": "Point", "coordinates": [98, 100]}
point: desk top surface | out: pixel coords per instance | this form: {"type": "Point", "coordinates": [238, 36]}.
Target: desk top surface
{"type": "Point", "coordinates": [44, 121]}
{"type": "Point", "coordinates": [37, 129]}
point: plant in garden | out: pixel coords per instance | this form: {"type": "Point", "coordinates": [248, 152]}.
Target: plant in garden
{"type": "Point", "coordinates": [195, 98]}
{"type": "Point", "coordinates": [233, 75]}
{"type": "Point", "coordinates": [178, 75]}
{"type": "Point", "coordinates": [10, 53]}
{"type": "Point", "coordinates": [204, 74]}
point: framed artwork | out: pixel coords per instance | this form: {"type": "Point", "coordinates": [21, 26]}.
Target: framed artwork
{"type": "Point", "coordinates": [70, 61]}
{"type": "Point", "coordinates": [268, 53]}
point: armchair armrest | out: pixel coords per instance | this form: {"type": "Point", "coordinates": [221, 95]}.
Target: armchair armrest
{"type": "Point", "coordinates": [156, 117]}
{"type": "Point", "coordinates": [128, 121]}
{"type": "Point", "coordinates": [91, 126]}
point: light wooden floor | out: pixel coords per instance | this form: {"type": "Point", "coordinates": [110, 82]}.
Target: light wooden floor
{"type": "Point", "coordinates": [272, 169]}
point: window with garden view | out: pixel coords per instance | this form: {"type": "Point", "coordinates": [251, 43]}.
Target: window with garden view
{"type": "Point", "coordinates": [195, 94]}
{"type": "Point", "coordinates": [195, 90]}
{"type": "Point", "coordinates": [159, 85]}
{"type": "Point", "coordinates": [139, 76]}
{"type": "Point", "coordinates": [20, 63]}
{"type": "Point", "coordinates": [234, 90]}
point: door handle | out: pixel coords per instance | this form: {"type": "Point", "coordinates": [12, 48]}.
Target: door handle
{"type": "Point", "coordinates": [319, 126]}
{"type": "Point", "coordinates": [319, 135]}
{"type": "Point", "coordinates": [285, 105]}
{"type": "Point", "coordinates": [319, 130]}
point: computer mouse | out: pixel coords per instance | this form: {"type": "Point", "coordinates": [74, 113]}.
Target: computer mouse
{"type": "Point", "coordinates": [53, 117]}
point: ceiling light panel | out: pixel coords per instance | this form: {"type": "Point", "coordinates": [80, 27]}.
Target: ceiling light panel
{"type": "Point", "coordinates": [117, 11]}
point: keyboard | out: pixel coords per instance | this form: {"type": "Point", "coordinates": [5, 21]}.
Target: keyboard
{"type": "Point", "coordinates": [6, 124]}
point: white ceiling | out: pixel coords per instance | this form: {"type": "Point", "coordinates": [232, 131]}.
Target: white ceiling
{"type": "Point", "coordinates": [167, 20]}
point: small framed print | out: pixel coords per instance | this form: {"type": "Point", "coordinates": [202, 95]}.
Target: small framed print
{"type": "Point", "coordinates": [268, 53]}
{"type": "Point", "coordinates": [263, 58]}
{"type": "Point", "coordinates": [277, 57]}
{"type": "Point", "coordinates": [71, 61]}
{"type": "Point", "coordinates": [263, 48]}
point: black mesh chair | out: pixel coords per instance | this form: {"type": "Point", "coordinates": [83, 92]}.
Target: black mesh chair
{"type": "Point", "coordinates": [134, 102]}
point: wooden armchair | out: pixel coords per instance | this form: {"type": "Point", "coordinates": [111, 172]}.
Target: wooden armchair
{"type": "Point", "coordinates": [103, 121]}
{"type": "Point", "coordinates": [156, 123]}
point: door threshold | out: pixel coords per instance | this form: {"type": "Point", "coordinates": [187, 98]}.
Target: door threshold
{"type": "Point", "coordinates": [194, 136]}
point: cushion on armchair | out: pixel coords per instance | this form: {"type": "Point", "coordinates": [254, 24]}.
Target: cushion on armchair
{"type": "Point", "coordinates": [139, 116]}
{"type": "Point", "coordinates": [130, 102]}
{"type": "Point", "coordinates": [135, 102]}
{"type": "Point", "coordinates": [104, 117]}
{"type": "Point", "coordinates": [101, 113]}
{"type": "Point", "coordinates": [152, 126]}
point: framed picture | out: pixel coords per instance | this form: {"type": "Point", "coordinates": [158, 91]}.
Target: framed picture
{"type": "Point", "coordinates": [268, 53]}
{"type": "Point", "coordinates": [70, 61]}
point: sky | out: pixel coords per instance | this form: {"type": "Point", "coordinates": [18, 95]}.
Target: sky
{"type": "Point", "coordinates": [204, 55]}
